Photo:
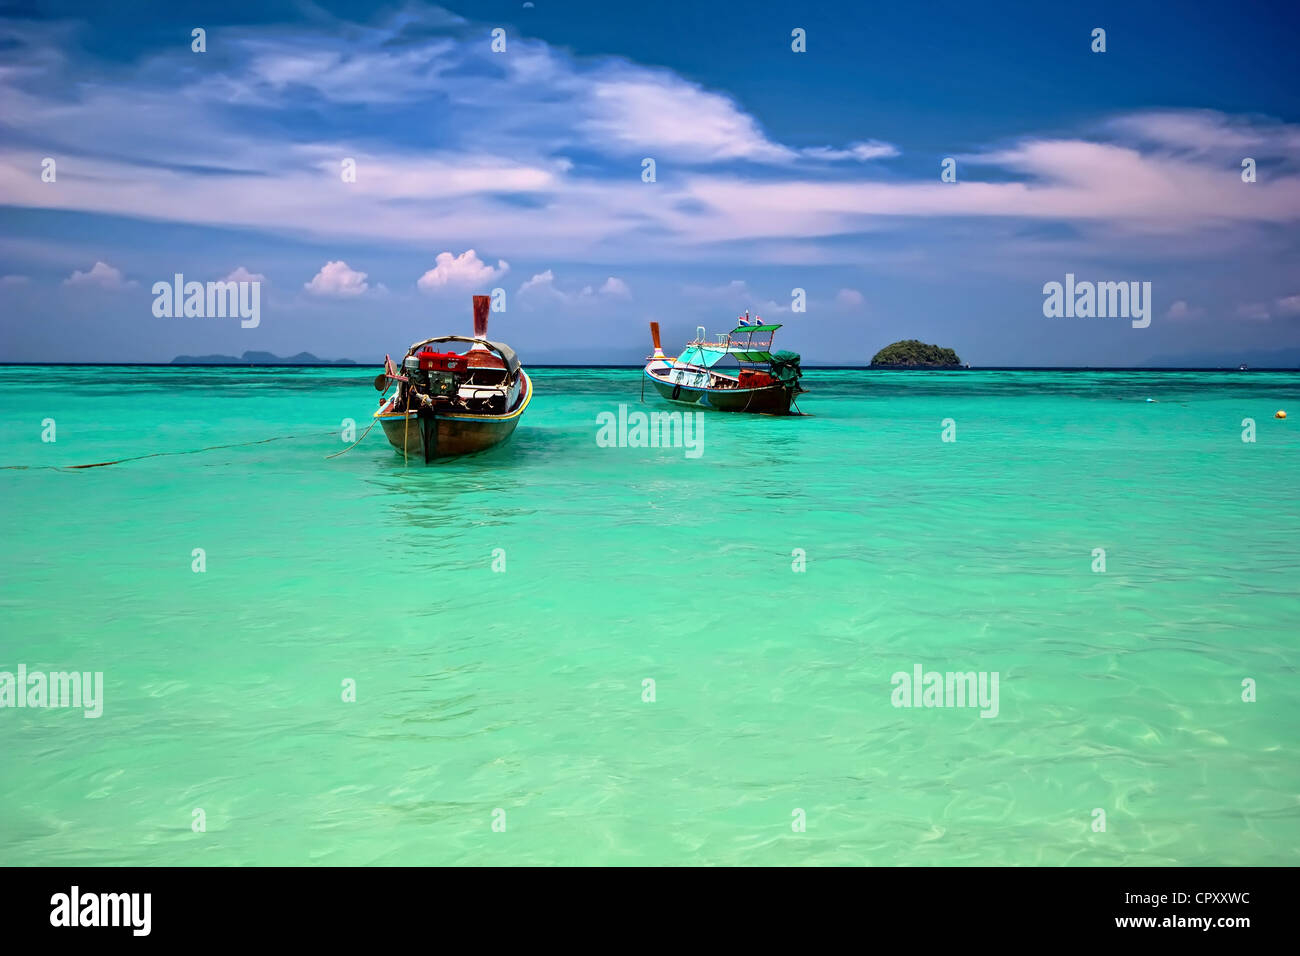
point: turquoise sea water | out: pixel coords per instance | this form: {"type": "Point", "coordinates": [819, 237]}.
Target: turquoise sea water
{"type": "Point", "coordinates": [523, 690]}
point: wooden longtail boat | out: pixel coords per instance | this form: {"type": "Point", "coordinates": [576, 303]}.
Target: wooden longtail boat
{"type": "Point", "coordinates": [759, 380]}
{"type": "Point", "coordinates": [452, 403]}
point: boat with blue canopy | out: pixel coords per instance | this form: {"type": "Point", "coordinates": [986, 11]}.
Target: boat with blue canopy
{"type": "Point", "coordinates": [734, 371]}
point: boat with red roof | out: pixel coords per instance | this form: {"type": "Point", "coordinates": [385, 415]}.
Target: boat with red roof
{"type": "Point", "coordinates": [449, 402]}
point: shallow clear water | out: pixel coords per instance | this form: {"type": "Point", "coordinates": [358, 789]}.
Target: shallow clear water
{"type": "Point", "coordinates": [522, 690]}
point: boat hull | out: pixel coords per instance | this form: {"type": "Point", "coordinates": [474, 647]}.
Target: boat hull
{"type": "Point", "coordinates": [768, 400]}
{"type": "Point", "coordinates": [451, 436]}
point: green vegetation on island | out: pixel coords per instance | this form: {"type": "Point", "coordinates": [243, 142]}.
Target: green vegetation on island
{"type": "Point", "coordinates": [911, 353]}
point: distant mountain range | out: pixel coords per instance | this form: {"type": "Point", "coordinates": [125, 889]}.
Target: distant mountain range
{"type": "Point", "coordinates": [258, 358]}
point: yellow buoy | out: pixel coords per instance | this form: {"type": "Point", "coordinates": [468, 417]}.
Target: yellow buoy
{"type": "Point", "coordinates": [1280, 414]}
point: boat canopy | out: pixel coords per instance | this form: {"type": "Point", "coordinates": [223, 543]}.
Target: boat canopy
{"type": "Point", "coordinates": [701, 356]}
{"type": "Point", "coordinates": [754, 328]}
{"type": "Point", "coordinates": [506, 352]}
{"type": "Point", "coordinates": [738, 343]}
{"type": "Point", "coordinates": [706, 356]}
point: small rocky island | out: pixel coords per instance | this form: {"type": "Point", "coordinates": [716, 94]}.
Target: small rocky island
{"type": "Point", "coordinates": [910, 353]}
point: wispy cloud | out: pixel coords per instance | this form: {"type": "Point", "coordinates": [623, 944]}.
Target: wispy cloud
{"type": "Point", "coordinates": [1209, 131]}
{"type": "Point", "coordinates": [481, 147]}
{"type": "Point", "coordinates": [737, 293]}
{"type": "Point", "coordinates": [543, 287]}
{"type": "Point", "coordinates": [1289, 305]}
{"type": "Point", "coordinates": [632, 110]}
{"type": "Point", "coordinates": [862, 152]}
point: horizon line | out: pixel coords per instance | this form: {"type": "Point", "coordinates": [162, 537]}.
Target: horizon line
{"type": "Point", "coordinates": [349, 364]}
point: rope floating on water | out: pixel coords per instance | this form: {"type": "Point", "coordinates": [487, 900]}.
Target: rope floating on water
{"type": "Point", "coordinates": [157, 454]}
{"type": "Point", "coordinates": [355, 443]}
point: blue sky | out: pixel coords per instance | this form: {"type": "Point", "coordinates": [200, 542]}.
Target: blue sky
{"type": "Point", "coordinates": [775, 170]}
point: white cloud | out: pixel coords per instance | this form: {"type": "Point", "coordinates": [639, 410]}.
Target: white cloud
{"type": "Point", "coordinates": [849, 297]}
{"type": "Point", "coordinates": [336, 279]}
{"type": "Point", "coordinates": [101, 274]}
{"type": "Point", "coordinates": [1181, 310]}
{"type": "Point", "coordinates": [616, 287]}
{"type": "Point", "coordinates": [737, 295]}
{"type": "Point", "coordinates": [462, 270]}
{"type": "Point", "coordinates": [1207, 131]}
{"type": "Point", "coordinates": [434, 175]}
{"type": "Point", "coordinates": [1290, 305]}
{"type": "Point", "coordinates": [243, 275]}
{"type": "Point", "coordinates": [542, 282]}
{"type": "Point", "coordinates": [661, 114]}
{"type": "Point", "coordinates": [541, 289]}
{"type": "Point", "coordinates": [862, 152]}
{"type": "Point", "coordinates": [14, 280]}
{"type": "Point", "coordinates": [543, 286]}
{"type": "Point", "coordinates": [1252, 310]}
{"type": "Point", "coordinates": [498, 176]}
{"type": "Point", "coordinates": [1062, 180]}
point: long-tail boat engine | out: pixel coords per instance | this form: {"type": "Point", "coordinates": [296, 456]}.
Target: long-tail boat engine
{"type": "Point", "coordinates": [434, 376]}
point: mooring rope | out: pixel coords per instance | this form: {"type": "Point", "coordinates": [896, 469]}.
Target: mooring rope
{"type": "Point", "coordinates": [406, 426]}
{"type": "Point", "coordinates": [355, 443]}
{"type": "Point", "coordinates": [156, 454]}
